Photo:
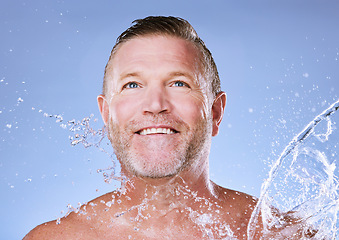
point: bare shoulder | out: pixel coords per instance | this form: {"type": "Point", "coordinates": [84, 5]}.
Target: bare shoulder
{"type": "Point", "coordinates": [238, 206]}
{"type": "Point", "coordinates": [238, 199]}
{"type": "Point", "coordinates": [48, 230]}
{"type": "Point", "coordinates": [70, 227]}
{"type": "Point", "coordinates": [76, 225]}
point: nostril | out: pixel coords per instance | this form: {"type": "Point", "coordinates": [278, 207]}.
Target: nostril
{"type": "Point", "coordinates": [156, 101]}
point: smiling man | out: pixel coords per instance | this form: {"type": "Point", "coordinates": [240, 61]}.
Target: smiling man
{"type": "Point", "coordinates": [161, 104]}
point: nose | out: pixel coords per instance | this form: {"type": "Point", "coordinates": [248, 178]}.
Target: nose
{"type": "Point", "coordinates": [156, 100]}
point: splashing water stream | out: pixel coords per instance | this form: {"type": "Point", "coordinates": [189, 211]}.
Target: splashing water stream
{"type": "Point", "coordinates": [301, 186]}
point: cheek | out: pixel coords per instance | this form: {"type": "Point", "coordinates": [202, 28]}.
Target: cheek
{"type": "Point", "coordinates": [190, 108]}
{"type": "Point", "coordinates": [122, 110]}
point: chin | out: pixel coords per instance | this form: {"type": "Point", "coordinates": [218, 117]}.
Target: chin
{"type": "Point", "coordinates": [153, 168]}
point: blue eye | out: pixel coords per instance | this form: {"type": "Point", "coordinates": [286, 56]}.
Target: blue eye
{"type": "Point", "coordinates": [131, 85]}
{"type": "Point", "coordinates": [179, 84]}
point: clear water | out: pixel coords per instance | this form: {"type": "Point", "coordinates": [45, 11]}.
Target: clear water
{"type": "Point", "coordinates": [302, 184]}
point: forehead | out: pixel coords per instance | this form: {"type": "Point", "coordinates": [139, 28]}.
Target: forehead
{"type": "Point", "coordinates": [155, 53]}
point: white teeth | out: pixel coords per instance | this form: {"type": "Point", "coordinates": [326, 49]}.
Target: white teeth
{"type": "Point", "coordinates": [156, 130]}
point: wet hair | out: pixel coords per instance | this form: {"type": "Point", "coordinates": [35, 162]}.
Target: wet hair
{"type": "Point", "coordinates": [175, 27]}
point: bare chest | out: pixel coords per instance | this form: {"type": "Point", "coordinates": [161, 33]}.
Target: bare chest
{"type": "Point", "coordinates": [173, 225]}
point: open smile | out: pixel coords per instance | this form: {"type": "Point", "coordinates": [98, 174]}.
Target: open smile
{"type": "Point", "coordinates": [156, 130]}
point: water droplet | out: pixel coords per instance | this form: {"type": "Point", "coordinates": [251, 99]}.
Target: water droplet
{"type": "Point", "coordinates": [74, 142]}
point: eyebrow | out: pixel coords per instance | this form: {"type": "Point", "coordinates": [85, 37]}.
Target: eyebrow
{"type": "Point", "coordinates": [128, 75]}
{"type": "Point", "coordinates": [182, 74]}
{"type": "Point", "coordinates": [170, 75]}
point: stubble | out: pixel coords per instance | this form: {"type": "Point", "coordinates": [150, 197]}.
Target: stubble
{"type": "Point", "coordinates": [191, 145]}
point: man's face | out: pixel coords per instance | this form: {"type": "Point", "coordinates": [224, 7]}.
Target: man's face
{"type": "Point", "coordinates": [159, 113]}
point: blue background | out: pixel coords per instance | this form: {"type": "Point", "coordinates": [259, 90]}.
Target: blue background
{"type": "Point", "coordinates": [278, 62]}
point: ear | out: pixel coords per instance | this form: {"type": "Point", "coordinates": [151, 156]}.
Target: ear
{"type": "Point", "coordinates": [218, 108]}
{"type": "Point", "coordinates": [103, 108]}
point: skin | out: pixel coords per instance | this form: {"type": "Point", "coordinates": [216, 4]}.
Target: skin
{"type": "Point", "coordinates": [155, 81]}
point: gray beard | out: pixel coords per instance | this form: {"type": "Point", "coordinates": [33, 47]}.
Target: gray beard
{"type": "Point", "coordinates": [194, 143]}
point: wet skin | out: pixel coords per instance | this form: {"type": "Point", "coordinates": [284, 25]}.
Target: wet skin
{"type": "Point", "coordinates": [179, 214]}
{"type": "Point", "coordinates": [156, 82]}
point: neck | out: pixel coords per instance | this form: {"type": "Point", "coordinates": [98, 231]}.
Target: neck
{"type": "Point", "coordinates": [185, 201]}
{"type": "Point", "coordinates": [167, 190]}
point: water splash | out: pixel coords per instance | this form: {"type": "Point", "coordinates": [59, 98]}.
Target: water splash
{"type": "Point", "coordinates": [202, 213]}
{"type": "Point", "coordinates": [84, 134]}
{"type": "Point", "coordinates": [302, 189]}
{"type": "Point", "coordinates": [302, 179]}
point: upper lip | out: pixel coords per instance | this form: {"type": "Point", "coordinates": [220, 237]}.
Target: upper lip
{"type": "Point", "coordinates": [157, 126]}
